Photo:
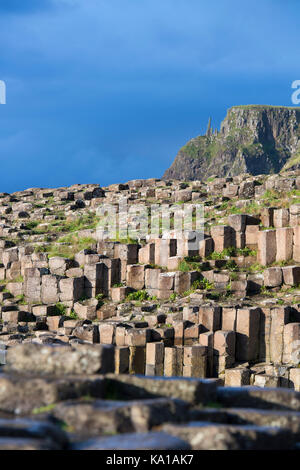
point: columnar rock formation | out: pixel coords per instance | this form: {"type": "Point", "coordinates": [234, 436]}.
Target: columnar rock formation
{"type": "Point", "coordinates": [84, 319]}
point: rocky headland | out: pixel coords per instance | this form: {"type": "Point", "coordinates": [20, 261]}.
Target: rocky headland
{"type": "Point", "coordinates": [252, 139]}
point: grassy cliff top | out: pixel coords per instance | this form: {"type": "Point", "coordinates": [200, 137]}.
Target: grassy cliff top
{"type": "Point", "coordinates": [263, 106]}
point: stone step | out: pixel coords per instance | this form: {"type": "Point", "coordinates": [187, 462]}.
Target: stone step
{"type": "Point", "coordinates": [12, 443]}
{"type": "Point", "coordinates": [93, 418]}
{"type": "Point", "coordinates": [33, 359]}
{"type": "Point", "coordinates": [191, 390]}
{"type": "Point", "coordinates": [22, 394]}
{"type": "Point", "coordinates": [275, 418]}
{"type": "Point", "coordinates": [212, 436]}
{"type": "Point", "coordinates": [141, 441]}
{"type": "Point", "coordinates": [26, 434]}
{"type": "Point", "coordinates": [259, 398]}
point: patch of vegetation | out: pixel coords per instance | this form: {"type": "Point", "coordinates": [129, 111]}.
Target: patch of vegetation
{"type": "Point", "coordinates": [60, 309]}
{"type": "Point", "coordinates": [139, 295]}
{"type": "Point", "coordinates": [202, 147]}
{"type": "Point", "coordinates": [124, 240]}
{"type": "Point", "coordinates": [43, 409]}
{"type": "Point", "coordinates": [32, 224]}
{"type": "Point", "coordinates": [223, 206]}
{"type": "Point", "coordinates": [292, 289]}
{"type": "Point", "coordinates": [294, 192]}
{"type": "Point", "coordinates": [293, 161]}
{"type": "Point", "coordinates": [86, 221]}
{"type": "Point", "coordinates": [233, 276]}
{"type": "Point", "coordinates": [271, 197]}
{"type": "Point", "coordinates": [231, 265]}
{"type": "Point", "coordinates": [200, 284]}
{"type": "Point", "coordinates": [156, 266]}
{"type": "Point", "coordinates": [66, 246]}
{"type": "Point", "coordinates": [236, 210]}
{"type": "Point", "coordinates": [230, 252]}
{"type": "Point", "coordinates": [282, 263]}
{"type": "Point", "coordinates": [18, 279]}
{"type": "Point", "coordinates": [173, 297]}
{"type": "Point", "coordinates": [213, 404]}
{"type": "Point", "coordinates": [100, 298]}
{"type": "Point", "coordinates": [190, 264]}
{"type": "Point", "coordinates": [246, 252]}
{"type": "Point", "coordinates": [253, 208]}
{"type": "Point", "coordinates": [256, 268]}
{"type": "Point", "coordinates": [264, 291]}
{"type": "Point", "coordinates": [72, 316]}
{"type": "Point", "coordinates": [227, 252]}
{"type": "Point", "coordinates": [21, 299]}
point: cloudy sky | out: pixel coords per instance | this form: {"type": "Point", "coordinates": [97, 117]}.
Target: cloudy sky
{"type": "Point", "coordinates": [104, 91]}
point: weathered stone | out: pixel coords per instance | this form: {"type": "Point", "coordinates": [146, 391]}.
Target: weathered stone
{"type": "Point", "coordinates": [256, 397]}
{"type": "Point", "coordinates": [191, 390]}
{"type": "Point", "coordinates": [284, 244]}
{"type": "Point", "coordinates": [237, 222]}
{"type": "Point", "coordinates": [127, 252]}
{"type": "Point", "coordinates": [59, 266]}
{"type": "Point", "coordinates": [136, 276]}
{"type": "Point", "coordinates": [86, 309]}
{"type": "Point", "coordinates": [50, 293]}
{"type": "Point", "coordinates": [229, 318]}
{"type": "Point", "coordinates": [96, 279]}
{"type": "Point", "coordinates": [147, 254]}
{"type": "Point", "coordinates": [266, 247]}
{"type": "Point", "coordinates": [137, 337]}
{"type": "Point", "coordinates": [173, 362]}
{"type": "Point", "coordinates": [87, 333]}
{"type": "Point", "coordinates": [107, 333]}
{"type": "Point", "coordinates": [27, 434]}
{"type": "Point", "coordinates": [291, 275]}
{"type": "Point", "coordinates": [122, 360]}
{"type": "Point", "coordinates": [100, 417]}
{"type": "Point", "coordinates": [247, 334]}
{"type": "Point", "coordinates": [21, 394]}
{"type": "Point", "coordinates": [210, 317]}
{"type": "Point", "coordinates": [295, 379]}
{"type": "Point", "coordinates": [56, 360]}
{"type": "Point", "coordinates": [141, 441]}
{"type": "Point", "coordinates": [273, 277]}
{"type": "Point", "coordinates": [251, 236]}
{"type": "Point", "coordinates": [237, 377]}
{"type": "Point", "coordinates": [291, 343]}
{"type": "Point", "coordinates": [281, 218]}
{"type": "Point", "coordinates": [137, 359]}
{"type": "Point", "coordinates": [279, 318]}
{"type": "Point", "coordinates": [195, 361]}
{"type": "Point", "coordinates": [71, 289]}
{"type": "Point", "coordinates": [223, 237]}
{"type": "Point", "coordinates": [212, 436]}
{"type": "Point", "coordinates": [33, 282]}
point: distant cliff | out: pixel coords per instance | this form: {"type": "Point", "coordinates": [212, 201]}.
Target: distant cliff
{"type": "Point", "coordinates": [253, 139]}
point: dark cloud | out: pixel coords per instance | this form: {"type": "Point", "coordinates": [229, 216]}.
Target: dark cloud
{"type": "Point", "coordinates": [109, 90]}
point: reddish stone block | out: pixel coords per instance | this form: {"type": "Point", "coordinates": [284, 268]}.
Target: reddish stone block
{"type": "Point", "coordinates": [247, 330]}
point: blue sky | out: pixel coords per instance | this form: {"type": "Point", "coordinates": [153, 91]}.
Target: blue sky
{"type": "Point", "coordinates": [103, 91]}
